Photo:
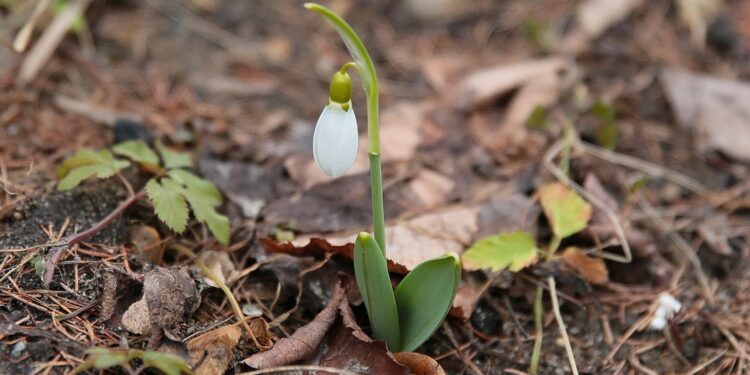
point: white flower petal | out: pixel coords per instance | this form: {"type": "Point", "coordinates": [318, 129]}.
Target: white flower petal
{"type": "Point", "coordinates": [335, 140]}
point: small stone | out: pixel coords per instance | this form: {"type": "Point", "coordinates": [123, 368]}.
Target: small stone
{"type": "Point", "coordinates": [18, 349]}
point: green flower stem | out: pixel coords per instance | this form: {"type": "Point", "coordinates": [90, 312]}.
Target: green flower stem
{"type": "Point", "coordinates": [539, 327]}
{"type": "Point", "coordinates": [366, 70]}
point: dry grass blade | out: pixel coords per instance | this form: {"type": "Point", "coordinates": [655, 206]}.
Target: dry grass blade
{"type": "Point", "coordinates": [24, 35]}
{"type": "Point", "coordinates": [50, 40]}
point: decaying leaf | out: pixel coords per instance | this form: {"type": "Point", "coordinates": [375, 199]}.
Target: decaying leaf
{"type": "Point", "coordinates": [220, 264]}
{"type": "Point", "coordinates": [212, 351]}
{"type": "Point", "coordinates": [566, 211]}
{"type": "Point", "coordinates": [514, 251]}
{"type": "Point", "coordinates": [594, 270]}
{"type": "Point", "coordinates": [168, 294]}
{"type": "Point", "coordinates": [419, 364]}
{"type": "Point", "coordinates": [304, 341]}
{"type": "Point", "coordinates": [716, 109]}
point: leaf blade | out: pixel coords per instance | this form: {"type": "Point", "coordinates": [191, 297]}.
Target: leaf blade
{"type": "Point", "coordinates": [192, 182]}
{"type": "Point", "coordinates": [137, 150]}
{"type": "Point", "coordinates": [174, 159]}
{"type": "Point", "coordinates": [431, 284]}
{"type": "Point", "coordinates": [514, 251]}
{"type": "Point", "coordinates": [566, 211]}
{"type": "Point", "coordinates": [169, 203]}
{"type": "Point", "coordinates": [374, 284]}
{"type": "Point", "coordinates": [204, 211]}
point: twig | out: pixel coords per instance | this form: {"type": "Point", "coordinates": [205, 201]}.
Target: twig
{"type": "Point", "coordinates": [561, 324]}
{"type": "Point", "coordinates": [539, 327]}
{"type": "Point", "coordinates": [49, 270]}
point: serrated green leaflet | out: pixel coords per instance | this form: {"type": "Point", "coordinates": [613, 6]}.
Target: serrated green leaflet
{"type": "Point", "coordinates": [104, 358]}
{"type": "Point", "coordinates": [374, 284]}
{"type": "Point", "coordinates": [174, 159]}
{"type": "Point", "coordinates": [513, 250]}
{"type": "Point", "coordinates": [424, 297]}
{"type": "Point", "coordinates": [566, 211]}
{"type": "Point", "coordinates": [203, 208]}
{"type": "Point", "coordinates": [205, 188]}
{"type": "Point", "coordinates": [137, 151]}
{"type": "Point", "coordinates": [169, 364]}
{"type": "Point", "coordinates": [169, 203]}
{"type": "Point", "coordinates": [88, 163]}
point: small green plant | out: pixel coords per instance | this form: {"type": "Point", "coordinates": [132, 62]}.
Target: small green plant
{"type": "Point", "coordinates": [104, 358]}
{"type": "Point", "coordinates": [170, 191]}
{"type": "Point", "coordinates": [567, 214]}
{"type": "Point", "coordinates": [607, 133]}
{"type": "Point", "coordinates": [406, 318]}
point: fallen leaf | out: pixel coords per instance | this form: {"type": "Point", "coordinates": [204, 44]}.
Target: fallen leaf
{"type": "Point", "coordinates": [484, 86]}
{"type": "Point", "coordinates": [419, 364]}
{"type": "Point", "coordinates": [592, 18]}
{"type": "Point", "coordinates": [716, 109]}
{"type": "Point", "coordinates": [168, 294]}
{"type": "Point", "coordinates": [592, 269]}
{"type": "Point", "coordinates": [714, 230]}
{"type": "Point", "coordinates": [247, 185]}
{"type": "Point", "coordinates": [220, 264]}
{"type": "Point", "coordinates": [212, 351]}
{"type": "Point", "coordinates": [566, 211]}
{"type": "Point", "coordinates": [304, 341]}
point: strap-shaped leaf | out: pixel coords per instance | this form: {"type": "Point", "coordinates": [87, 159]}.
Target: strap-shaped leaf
{"type": "Point", "coordinates": [138, 151]}
{"type": "Point", "coordinates": [374, 284]}
{"type": "Point", "coordinates": [424, 297]}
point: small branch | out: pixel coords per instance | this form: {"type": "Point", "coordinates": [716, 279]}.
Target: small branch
{"type": "Point", "coordinates": [67, 242]}
{"type": "Point", "coordinates": [561, 325]}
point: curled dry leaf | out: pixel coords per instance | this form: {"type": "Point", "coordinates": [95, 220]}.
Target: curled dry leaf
{"type": "Point", "coordinates": [220, 264]}
{"type": "Point", "coordinates": [304, 341]}
{"type": "Point", "coordinates": [594, 270]}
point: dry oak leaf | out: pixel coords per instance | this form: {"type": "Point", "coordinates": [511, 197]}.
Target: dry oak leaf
{"type": "Point", "coordinates": [212, 351]}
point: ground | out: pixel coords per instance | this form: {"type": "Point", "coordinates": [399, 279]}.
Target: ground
{"type": "Point", "coordinates": [483, 104]}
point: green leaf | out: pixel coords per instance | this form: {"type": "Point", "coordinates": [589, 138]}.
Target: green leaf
{"type": "Point", "coordinates": [203, 208]}
{"type": "Point", "coordinates": [88, 163]}
{"type": "Point", "coordinates": [353, 44]}
{"type": "Point", "coordinates": [566, 211]}
{"type": "Point", "coordinates": [513, 250]}
{"type": "Point", "coordinates": [102, 358]}
{"type": "Point", "coordinates": [607, 133]}
{"type": "Point", "coordinates": [137, 150]}
{"type": "Point", "coordinates": [169, 364]}
{"type": "Point", "coordinates": [169, 203]}
{"type": "Point", "coordinates": [424, 297]}
{"type": "Point", "coordinates": [205, 188]}
{"type": "Point", "coordinates": [174, 159]}
{"type": "Point", "coordinates": [374, 284]}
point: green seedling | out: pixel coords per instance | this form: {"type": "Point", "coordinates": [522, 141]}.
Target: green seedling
{"type": "Point", "coordinates": [170, 191]}
{"type": "Point", "coordinates": [567, 214]}
{"type": "Point", "coordinates": [104, 358]}
{"type": "Point", "coordinates": [404, 319]}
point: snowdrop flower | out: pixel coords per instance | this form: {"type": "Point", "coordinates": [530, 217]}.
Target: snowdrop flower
{"type": "Point", "coordinates": [668, 305]}
{"type": "Point", "coordinates": [335, 139]}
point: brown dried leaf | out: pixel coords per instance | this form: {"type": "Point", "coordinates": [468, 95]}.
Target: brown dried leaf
{"type": "Point", "coordinates": [592, 269]}
{"type": "Point", "coordinates": [593, 17]}
{"type": "Point", "coordinates": [419, 364]}
{"type": "Point", "coordinates": [304, 341]}
{"type": "Point", "coordinates": [213, 350]}
{"type": "Point", "coordinates": [716, 109]}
